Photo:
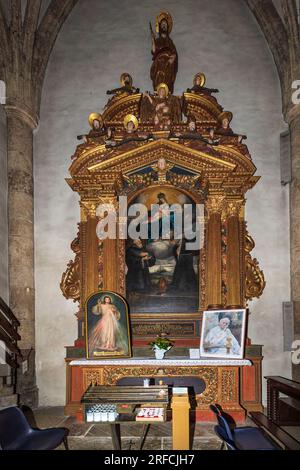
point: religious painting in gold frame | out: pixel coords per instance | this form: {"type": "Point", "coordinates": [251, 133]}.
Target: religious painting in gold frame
{"type": "Point", "coordinates": [162, 272]}
{"type": "Point", "coordinates": [107, 326]}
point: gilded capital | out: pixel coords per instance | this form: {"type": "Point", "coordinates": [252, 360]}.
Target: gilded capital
{"type": "Point", "coordinates": [88, 209]}
{"type": "Point", "coordinates": [233, 208]}
{"type": "Point", "coordinates": [214, 204]}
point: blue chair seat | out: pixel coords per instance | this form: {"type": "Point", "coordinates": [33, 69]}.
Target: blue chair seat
{"type": "Point", "coordinates": [17, 434]}
{"type": "Point", "coordinates": [250, 438]}
{"type": "Point", "coordinates": [244, 438]}
{"type": "Point", "coordinates": [39, 439]}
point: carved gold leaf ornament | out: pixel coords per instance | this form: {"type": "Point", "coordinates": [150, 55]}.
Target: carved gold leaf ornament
{"type": "Point", "coordinates": [254, 276]}
{"type": "Point", "coordinates": [229, 393]}
{"type": "Point", "coordinates": [70, 281]}
{"type": "Point", "coordinates": [89, 208]}
{"type": "Point", "coordinates": [215, 204]}
{"type": "Point", "coordinates": [211, 376]}
{"type": "Point", "coordinates": [233, 208]}
{"type": "Point", "coordinates": [111, 375]}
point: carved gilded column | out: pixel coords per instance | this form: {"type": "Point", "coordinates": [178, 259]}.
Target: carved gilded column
{"type": "Point", "coordinates": [233, 264]}
{"type": "Point", "coordinates": [111, 254]}
{"type": "Point", "coordinates": [213, 297]}
{"type": "Point", "coordinates": [91, 250]}
{"type": "Point", "coordinates": [110, 265]}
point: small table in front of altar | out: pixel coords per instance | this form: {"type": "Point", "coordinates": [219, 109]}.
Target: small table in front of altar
{"type": "Point", "coordinates": [127, 401]}
{"type": "Point", "coordinates": [218, 380]}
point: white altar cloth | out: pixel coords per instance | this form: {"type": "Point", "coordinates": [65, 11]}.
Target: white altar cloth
{"type": "Point", "coordinates": [162, 362]}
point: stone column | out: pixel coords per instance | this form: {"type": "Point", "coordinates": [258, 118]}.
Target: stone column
{"type": "Point", "coordinates": [233, 267]}
{"type": "Point", "coordinates": [293, 118]}
{"type": "Point", "coordinates": [213, 297]}
{"type": "Point", "coordinates": [20, 125]}
{"type": "Point", "coordinates": [3, 207]}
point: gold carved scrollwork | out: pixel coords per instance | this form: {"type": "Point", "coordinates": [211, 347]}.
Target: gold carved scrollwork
{"type": "Point", "coordinates": [100, 265]}
{"type": "Point", "coordinates": [111, 375]}
{"type": "Point", "coordinates": [192, 183]}
{"type": "Point", "coordinates": [70, 281]}
{"type": "Point", "coordinates": [92, 377]}
{"type": "Point", "coordinates": [224, 261]}
{"type": "Point", "coordinates": [254, 276]}
{"type": "Point", "coordinates": [140, 180]}
{"type": "Point", "coordinates": [122, 272]}
{"type": "Point", "coordinates": [229, 392]}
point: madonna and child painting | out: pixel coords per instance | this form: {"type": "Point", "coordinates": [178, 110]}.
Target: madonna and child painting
{"type": "Point", "coordinates": [107, 326]}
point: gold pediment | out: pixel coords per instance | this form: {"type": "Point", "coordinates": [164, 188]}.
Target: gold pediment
{"type": "Point", "coordinates": [178, 154]}
{"type": "Point", "coordinates": [229, 170]}
{"type": "Point", "coordinates": [96, 158]}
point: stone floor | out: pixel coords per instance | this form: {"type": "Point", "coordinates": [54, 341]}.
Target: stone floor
{"type": "Point", "coordinates": [84, 436]}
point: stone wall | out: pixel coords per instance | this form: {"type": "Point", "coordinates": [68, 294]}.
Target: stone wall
{"type": "Point", "coordinates": [102, 39]}
{"type": "Point", "coordinates": [3, 208]}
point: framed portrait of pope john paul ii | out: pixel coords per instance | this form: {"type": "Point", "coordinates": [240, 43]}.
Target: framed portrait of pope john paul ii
{"type": "Point", "coordinates": [107, 326]}
{"type": "Point", "coordinates": [223, 334]}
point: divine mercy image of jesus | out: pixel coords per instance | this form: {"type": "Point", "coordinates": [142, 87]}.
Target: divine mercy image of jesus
{"type": "Point", "coordinates": [107, 326]}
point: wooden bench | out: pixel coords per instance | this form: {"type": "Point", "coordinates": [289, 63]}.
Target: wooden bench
{"type": "Point", "coordinates": [9, 335]}
{"type": "Point", "coordinates": [281, 410]}
{"type": "Point", "coordinates": [285, 440]}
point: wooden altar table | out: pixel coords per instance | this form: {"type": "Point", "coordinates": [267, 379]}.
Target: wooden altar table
{"type": "Point", "coordinates": [218, 380]}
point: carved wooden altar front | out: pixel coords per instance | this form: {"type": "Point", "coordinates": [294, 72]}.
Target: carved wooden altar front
{"type": "Point", "coordinates": [221, 382]}
{"type": "Point", "coordinates": [217, 176]}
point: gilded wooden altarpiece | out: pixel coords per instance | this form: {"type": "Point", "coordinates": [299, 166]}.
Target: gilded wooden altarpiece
{"type": "Point", "coordinates": [217, 177]}
{"type": "Point", "coordinates": [214, 169]}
